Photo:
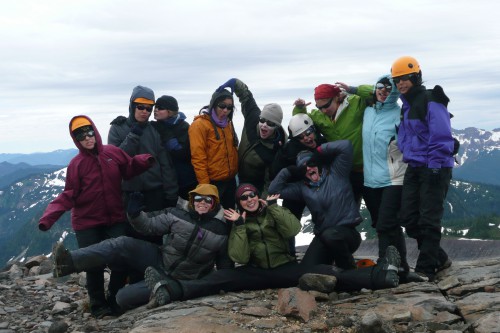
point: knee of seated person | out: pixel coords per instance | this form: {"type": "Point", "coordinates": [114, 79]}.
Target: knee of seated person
{"type": "Point", "coordinates": [125, 300]}
{"type": "Point", "coordinates": [331, 235]}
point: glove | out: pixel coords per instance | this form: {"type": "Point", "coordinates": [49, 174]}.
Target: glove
{"type": "Point", "coordinates": [135, 204]}
{"type": "Point", "coordinates": [43, 227]}
{"type": "Point", "coordinates": [296, 173]}
{"type": "Point", "coordinates": [434, 175]}
{"type": "Point", "coordinates": [316, 159]}
{"type": "Point", "coordinates": [173, 144]}
{"type": "Point", "coordinates": [229, 84]}
{"type": "Point", "coordinates": [137, 129]}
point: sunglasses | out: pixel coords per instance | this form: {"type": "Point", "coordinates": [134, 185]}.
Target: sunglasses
{"type": "Point", "coordinates": [325, 106]}
{"type": "Point", "coordinates": [144, 107]}
{"type": "Point", "coordinates": [223, 106]}
{"type": "Point", "coordinates": [307, 132]}
{"type": "Point", "coordinates": [81, 136]}
{"type": "Point", "coordinates": [200, 198]}
{"type": "Point", "coordinates": [380, 85]}
{"type": "Point", "coordinates": [268, 122]}
{"type": "Point", "coordinates": [245, 197]}
{"type": "Point", "coordinates": [402, 78]}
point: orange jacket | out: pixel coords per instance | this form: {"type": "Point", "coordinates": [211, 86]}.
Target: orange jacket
{"type": "Point", "coordinates": [214, 150]}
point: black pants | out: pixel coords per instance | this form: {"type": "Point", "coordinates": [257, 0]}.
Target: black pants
{"type": "Point", "coordinates": [384, 205]}
{"type": "Point", "coordinates": [421, 213]}
{"type": "Point", "coordinates": [357, 180]}
{"type": "Point", "coordinates": [126, 254]}
{"type": "Point", "coordinates": [284, 276]}
{"type": "Point", "coordinates": [333, 245]}
{"type": "Point", "coordinates": [226, 189]}
{"type": "Point", "coordinates": [95, 274]}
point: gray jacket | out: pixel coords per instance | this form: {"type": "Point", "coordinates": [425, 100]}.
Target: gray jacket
{"type": "Point", "coordinates": [332, 202]}
{"type": "Point", "coordinates": [192, 243]}
{"type": "Point", "coordinates": [161, 174]}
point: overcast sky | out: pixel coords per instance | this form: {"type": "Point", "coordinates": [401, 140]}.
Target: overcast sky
{"type": "Point", "coordinates": [63, 58]}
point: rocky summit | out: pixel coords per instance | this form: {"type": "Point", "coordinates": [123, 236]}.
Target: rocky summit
{"type": "Point", "coordinates": [464, 298]}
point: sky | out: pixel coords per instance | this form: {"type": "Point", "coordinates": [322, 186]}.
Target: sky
{"type": "Point", "coordinates": [64, 58]}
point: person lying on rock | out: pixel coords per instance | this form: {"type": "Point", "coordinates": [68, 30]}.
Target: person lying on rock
{"type": "Point", "coordinates": [258, 241]}
{"type": "Point", "coordinates": [194, 239]}
{"type": "Point", "coordinates": [321, 180]}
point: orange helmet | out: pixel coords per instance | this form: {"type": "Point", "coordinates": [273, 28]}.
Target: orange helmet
{"type": "Point", "coordinates": [405, 65]}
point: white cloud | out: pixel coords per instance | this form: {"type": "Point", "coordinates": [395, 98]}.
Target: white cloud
{"type": "Point", "coordinates": [62, 58]}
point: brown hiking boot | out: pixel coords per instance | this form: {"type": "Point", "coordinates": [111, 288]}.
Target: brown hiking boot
{"type": "Point", "coordinates": [63, 263]}
{"type": "Point", "coordinates": [318, 282]}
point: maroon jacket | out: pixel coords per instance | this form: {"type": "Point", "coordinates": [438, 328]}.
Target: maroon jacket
{"type": "Point", "coordinates": [93, 185]}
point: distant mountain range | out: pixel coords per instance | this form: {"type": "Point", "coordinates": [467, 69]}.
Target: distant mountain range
{"type": "Point", "coordinates": [479, 155]}
{"type": "Point", "coordinates": [471, 210]}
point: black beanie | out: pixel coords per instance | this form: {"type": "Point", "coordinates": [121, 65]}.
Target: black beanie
{"type": "Point", "coordinates": [219, 96]}
{"type": "Point", "coordinates": [167, 102]}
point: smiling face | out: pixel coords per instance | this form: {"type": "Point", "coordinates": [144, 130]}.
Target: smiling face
{"type": "Point", "coordinates": [382, 93]}
{"type": "Point", "coordinates": [328, 106]}
{"type": "Point", "coordinates": [203, 203]}
{"type": "Point", "coordinates": [249, 204]}
{"type": "Point", "coordinates": [404, 85]}
{"type": "Point", "coordinates": [308, 138]}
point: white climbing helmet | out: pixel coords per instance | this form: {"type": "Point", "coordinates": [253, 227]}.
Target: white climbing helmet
{"type": "Point", "coordinates": [299, 123]}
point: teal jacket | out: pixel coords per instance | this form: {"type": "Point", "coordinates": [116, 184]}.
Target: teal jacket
{"type": "Point", "coordinates": [383, 161]}
{"type": "Point", "coordinates": [348, 123]}
{"type": "Point", "coordinates": [262, 240]}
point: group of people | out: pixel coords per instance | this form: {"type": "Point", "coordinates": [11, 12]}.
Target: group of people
{"type": "Point", "coordinates": [170, 207]}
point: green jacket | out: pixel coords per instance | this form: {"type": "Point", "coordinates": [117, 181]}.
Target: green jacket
{"type": "Point", "coordinates": [262, 241]}
{"type": "Point", "coordinates": [348, 123]}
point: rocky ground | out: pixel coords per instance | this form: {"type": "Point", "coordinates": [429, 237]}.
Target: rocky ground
{"type": "Point", "coordinates": [465, 298]}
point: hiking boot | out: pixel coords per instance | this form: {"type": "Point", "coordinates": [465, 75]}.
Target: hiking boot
{"type": "Point", "coordinates": [445, 265]}
{"type": "Point", "coordinates": [63, 263]}
{"type": "Point", "coordinates": [428, 277]}
{"type": "Point", "coordinates": [318, 282]}
{"type": "Point", "coordinates": [407, 277]}
{"type": "Point", "coordinates": [101, 311]}
{"type": "Point", "coordinates": [385, 274]}
{"type": "Point", "coordinates": [163, 288]}
{"type": "Point", "coordinates": [116, 310]}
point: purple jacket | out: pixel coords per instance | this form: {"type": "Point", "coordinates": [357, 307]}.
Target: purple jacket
{"type": "Point", "coordinates": [93, 186]}
{"type": "Point", "coordinates": [424, 135]}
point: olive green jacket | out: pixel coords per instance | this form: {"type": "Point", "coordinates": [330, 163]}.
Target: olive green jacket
{"type": "Point", "coordinates": [262, 241]}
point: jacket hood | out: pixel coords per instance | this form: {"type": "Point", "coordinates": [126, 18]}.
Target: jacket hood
{"type": "Point", "coordinates": [139, 91]}
{"type": "Point", "coordinates": [170, 122]}
{"type": "Point", "coordinates": [204, 189]}
{"type": "Point", "coordinates": [98, 140]}
{"type": "Point", "coordinates": [220, 96]}
{"type": "Point", "coordinates": [393, 95]}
